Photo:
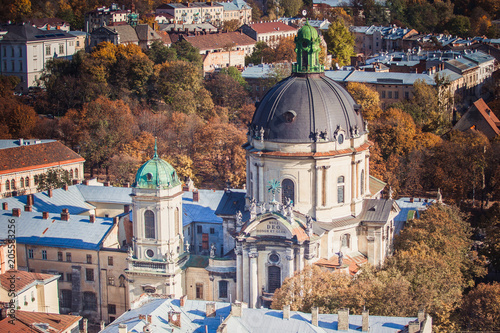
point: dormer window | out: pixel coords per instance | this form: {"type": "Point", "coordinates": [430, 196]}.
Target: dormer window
{"type": "Point", "coordinates": [149, 176]}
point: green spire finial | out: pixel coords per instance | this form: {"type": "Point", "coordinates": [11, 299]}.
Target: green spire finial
{"type": "Point", "coordinates": [307, 47]}
{"type": "Point", "coordinates": [156, 150]}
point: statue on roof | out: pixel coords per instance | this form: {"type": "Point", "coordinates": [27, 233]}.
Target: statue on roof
{"type": "Point", "coordinates": [212, 250]}
{"type": "Point", "coordinates": [239, 218]}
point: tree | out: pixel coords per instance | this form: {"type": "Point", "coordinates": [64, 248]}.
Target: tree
{"type": "Point", "coordinates": [159, 53]}
{"type": "Point", "coordinates": [285, 51]}
{"type": "Point", "coordinates": [340, 42]}
{"type": "Point", "coordinates": [492, 240]}
{"type": "Point", "coordinates": [231, 25]}
{"type": "Point", "coordinates": [123, 168]}
{"type": "Point", "coordinates": [235, 74]}
{"type": "Point", "coordinates": [459, 25]}
{"type": "Point", "coordinates": [226, 91]}
{"type": "Point", "coordinates": [186, 52]}
{"type": "Point", "coordinates": [53, 178]}
{"type": "Point", "coordinates": [291, 7]}
{"type": "Point", "coordinates": [480, 310]}
{"type": "Point", "coordinates": [256, 56]}
{"type": "Point", "coordinates": [368, 98]}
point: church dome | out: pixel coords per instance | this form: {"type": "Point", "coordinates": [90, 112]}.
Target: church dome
{"type": "Point", "coordinates": [307, 106]}
{"type": "Point", "coordinates": [156, 173]}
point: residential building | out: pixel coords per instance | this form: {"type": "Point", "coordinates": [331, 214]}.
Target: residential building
{"type": "Point", "coordinates": [237, 10]}
{"type": "Point", "coordinates": [373, 39]}
{"type": "Point", "coordinates": [104, 16]}
{"type": "Point", "coordinates": [479, 117]}
{"type": "Point", "coordinates": [25, 51]}
{"type": "Point", "coordinates": [82, 40]}
{"type": "Point", "coordinates": [193, 12]}
{"type": "Point", "coordinates": [234, 41]}
{"type": "Point", "coordinates": [33, 292]}
{"type": "Point", "coordinates": [8, 255]}
{"type": "Point", "coordinates": [166, 315]}
{"type": "Point", "coordinates": [269, 32]}
{"type": "Point", "coordinates": [24, 160]}
{"type": "Point", "coordinates": [40, 322]}
{"type": "Point", "coordinates": [141, 35]}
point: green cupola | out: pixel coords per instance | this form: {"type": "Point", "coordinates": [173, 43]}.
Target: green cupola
{"type": "Point", "coordinates": [156, 174]}
{"type": "Point", "coordinates": [307, 47]}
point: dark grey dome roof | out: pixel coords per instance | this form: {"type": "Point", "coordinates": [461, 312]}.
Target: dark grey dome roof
{"type": "Point", "coordinates": [306, 108]}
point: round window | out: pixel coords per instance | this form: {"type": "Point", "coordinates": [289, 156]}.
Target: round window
{"type": "Point", "coordinates": [341, 138]}
{"type": "Point", "coordinates": [150, 253]}
{"type": "Point", "coordinates": [149, 176]}
{"type": "Point", "coordinates": [274, 258]}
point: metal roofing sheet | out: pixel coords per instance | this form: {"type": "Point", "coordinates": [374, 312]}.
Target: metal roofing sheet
{"type": "Point", "coordinates": [106, 194]}
{"type": "Point", "coordinates": [204, 209]}
{"type": "Point", "coordinates": [78, 232]}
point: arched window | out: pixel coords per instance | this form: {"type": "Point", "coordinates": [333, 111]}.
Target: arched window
{"type": "Point", "coordinates": [177, 222]}
{"type": "Point", "coordinates": [362, 182]}
{"type": "Point", "coordinates": [340, 189]}
{"type": "Point", "coordinates": [7, 185]}
{"type": "Point", "coordinates": [13, 184]}
{"type": "Point", "coordinates": [222, 289]}
{"type": "Point", "coordinates": [21, 182]}
{"type": "Point", "coordinates": [346, 240]}
{"type": "Point", "coordinates": [76, 173]}
{"type": "Point", "coordinates": [27, 181]}
{"type": "Point", "coordinates": [71, 174]}
{"type": "Point", "coordinates": [287, 190]}
{"type": "Point", "coordinates": [149, 224]}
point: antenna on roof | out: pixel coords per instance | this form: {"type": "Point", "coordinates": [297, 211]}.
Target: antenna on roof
{"type": "Point", "coordinates": [156, 150]}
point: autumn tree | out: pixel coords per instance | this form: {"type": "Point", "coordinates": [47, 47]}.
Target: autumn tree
{"type": "Point", "coordinates": [123, 168]}
{"type": "Point", "coordinates": [480, 310]}
{"type": "Point", "coordinates": [340, 42]}
{"type": "Point", "coordinates": [159, 53]}
{"type": "Point", "coordinates": [291, 7]}
{"type": "Point", "coordinates": [226, 91]}
{"type": "Point", "coordinates": [52, 178]}
{"type": "Point", "coordinates": [231, 25]}
{"type": "Point", "coordinates": [368, 98]}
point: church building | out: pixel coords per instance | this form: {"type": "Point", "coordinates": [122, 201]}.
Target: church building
{"type": "Point", "coordinates": [310, 198]}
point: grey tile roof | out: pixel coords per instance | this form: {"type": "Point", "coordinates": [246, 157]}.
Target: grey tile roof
{"type": "Point", "coordinates": [234, 5]}
{"type": "Point", "coordinates": [15, 143]}
{"type": "Point", "coordinates": [126, 32]}
{"type": "Point", "coordinates": [379, 77]}
{"type": "Point", "coordinates": [24, 33]}
{"type": "Point", "coordinates": [145, 33]}
{"type": "Point", "coordinates": [231, 202]}
{"type": "Point", "coordinates": [193, 317]}
{"type": "Point", "coordinates": [78, 232]}
{"type": "Point", "coordinates": [376, 210]}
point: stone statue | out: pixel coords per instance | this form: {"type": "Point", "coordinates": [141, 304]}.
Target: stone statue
{"type": "Point", "coordinates": [309, 225]}
{"type": "Point", "coordinates": [253, 209]}
{"type": "Point", "coordinates": [212, 250]}
{"type": "Point", "coordinates": [366, 125]}
{"type": "Point", "coordinates": [186, 245]}
{"type": "Point", "coordinates": [390, 192]}
{"type": "Point", "coordinates": [239, 217]}
{"type": "Point", "coordinates": [130, 252]}
{"type": "Point", "coordinates": [341, 258]}
{"type": "Point", "coordinates": [261, 132]}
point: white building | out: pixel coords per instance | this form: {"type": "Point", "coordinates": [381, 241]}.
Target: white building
{"type": "Point", "coordinates": [25, 51]}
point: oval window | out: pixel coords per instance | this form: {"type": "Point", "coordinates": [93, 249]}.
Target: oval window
{"type": "Point", "coordinates": [341, 138]}
{"type": "Point", "coordinates": [150, 253]}
{"type": "Point", "coordinates": [149, 176]}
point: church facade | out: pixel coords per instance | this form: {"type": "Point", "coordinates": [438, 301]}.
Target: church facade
{"type": "Point", "coordinates": [308, 199]}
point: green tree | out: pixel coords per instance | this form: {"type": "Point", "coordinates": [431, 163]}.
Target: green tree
{"type": "Point", "coordinates": [256, 56]}
{"type": "Point", "coordinates": [291, 7]}
{"type": "Point", "coordinates": [459, 25]}
{"type": "Point", "coordinates": [186, 52]}
{"type": "Point", "coordinates": [53, 178]}
{"type": "Point", "coordinates": [159, 53]}
{"type": "Point", "coordinates": [340, 42]}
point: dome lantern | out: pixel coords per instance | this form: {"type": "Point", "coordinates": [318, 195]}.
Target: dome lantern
{"type": "Point", "coordinates": [307, 47]}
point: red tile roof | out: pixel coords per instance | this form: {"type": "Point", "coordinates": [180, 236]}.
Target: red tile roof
{"type": "Point", "coordinates": [25, 322]}
{"type": "Point", "coordinates": [268, 27]}
{"type": "Point", "coordinates": [22, 279]}
{"type": "Point", "coordinates": [488, 115]}
{"type": "Point", "coordinates": [353, 262]}
{"type": "Point", "coordinates": [41, 155]}
{"type": "Point", "coordinates": [219, 40]}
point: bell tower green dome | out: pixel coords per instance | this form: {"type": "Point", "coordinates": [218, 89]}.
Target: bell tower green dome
{"type": "Point", "coordinates": [307, 47]}
{"type": "Point", "coordinates": [156, 173]}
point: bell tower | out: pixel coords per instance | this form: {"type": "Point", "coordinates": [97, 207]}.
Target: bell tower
{"type": "Point", "coordinates": [156, 254]}
{"type": "Point", "coordinates": [307, 47]}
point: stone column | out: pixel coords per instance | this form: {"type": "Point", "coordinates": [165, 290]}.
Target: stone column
{"type": "Point", "coordinates": [289, 259]}
{"type": "Point", "coordinates": [254, 289]}
{"type": "Point", "coordinates": [260, 175]}
{"type": "Point", "coordinates": [325, 184]}
{"type": "Point", "coordinates": [357, 182]}
{"type": "Point", "coordinates": [239, 273]}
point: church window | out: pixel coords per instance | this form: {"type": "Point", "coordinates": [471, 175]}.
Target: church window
{"type": "Point", "coordinates": [222, 289]}
{"type": "Point", "coordinates": [122, 280]}
{"type": "Point", "coordinates": [177, 222]}
{"type": "Point", "coordinates": [89, 301]}
{"type": "Point", "coordinates": [149, 224]}
{"type": "Point", "coordinates": [274, 258]}
{"type": "Point", "coordinates": [13, 184]}
{"type": "Point", "coordinates": [27, 182]}
{"type": "Point", "coordinates": [199, 229]}
{"type": "Point", "coordinates": [199, 291]}
{"type": "Point", "coordinates": [362, 182]}
{"type": "Point", "coordinates": [21, 182]}
{"type": "Point", "coordinates": [346, 240]}
{"type": "Point", "coordinates": [76, 173]}
{"type": "Point", "coordinates": [287, 190]}
{"type": "Point", "coordinates": [71, 174]}
{"type": "Point", "coordinates": [212, 231]}
{"type": "Point", "coordinates": [150, 253]}
{"type": "Point", "coordinates": [111, 309]}
{"type": "Point", "coordinates": [7, 185]}
{"type": "Point", "coordinates": [340, 189]}
{"type": "Point", "coordinates": [274, 278]}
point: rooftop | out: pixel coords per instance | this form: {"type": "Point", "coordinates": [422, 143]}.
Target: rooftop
{"type": "Point", "coordinates": [24, 279]}
{"type": "Point", "coordinates": [28, 33]}
{"type": "Point", "coordinates": [268, 27]}
{"type": "Point", "coordinates": [38, 322]}
{"type": "Point", "coordinates": [219, 40]}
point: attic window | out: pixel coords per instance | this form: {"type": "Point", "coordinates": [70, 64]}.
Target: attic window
{"type": "Point", "coordinates": [374, 208]}
{"type": "Point", "coordinates": [149, 176]}
{"type": "Point", "coordinates": [290, 116]}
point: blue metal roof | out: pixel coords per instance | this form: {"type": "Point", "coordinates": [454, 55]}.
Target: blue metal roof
{"type": "Point", "coordinates": [204, 209]}
{"type": "Point", "coordinates": [108, 194]}
{"type": "Point", "coordinates": [76, 233]}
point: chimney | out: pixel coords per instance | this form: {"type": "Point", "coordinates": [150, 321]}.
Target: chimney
{"type": "Point", "coordinates": [237, 309]}
{"type": "Point", "coordinates": [174, 318]}
{"type": "Point", "coordinates": [16, 212]}
{"type": "Point", "coordinates": [65, 187]}
{"type": "Point", "coordinates": [365, 321]}
{"type": "Point", "coordinates": [149, 319]}
{"type": "Point", "coordinates": [142, 317]}
{"type": "Point", "coordinates": [183, 300]}
{"type": "Point", "coordinates": [92, 218]}
{"type": "Point", "coordinates": [421, 315]}
{"type": "Point", "coordinates": [30, 200]}
{"type": "Point", "coordinates": [314, 316]}
{"type": "Point", "coordinates": [106, 183]}
{"type": "Point", "coordinates": [413, 326]}
{"type": "Point", "coordinates": [45, 215]}
{"type": "Point", "coordinates": [286, 312]}
{"type": "Point", "coordinates": [65, 214]}
{"type": "Point", "coordinates": [75, 182]}
{"type": "Point", "coordinates": [5, 206]}
{"type": "Point", "coordinates": [85, 182]}
{"type": "Point", "coordinates": [343, 319]}
{"type": "Point", "coordinates": [27, 208]}
{"type": "Point", "coordinates": [211, 309]}
{"type": "Point", "coordinates": [21, 141]}
{"type": "Point", "coordinates": [49, 192]}
{"type": "Point", "coordinates": [116, 219]}
{"type": "Point", "coordinates": [126, 208]}
{"type": "Point", "coordinates": [196, 196]}
{"type": "Point", "coordinates": [126, 185]}
{"type": "Point", "coordinates": [122, 328]}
